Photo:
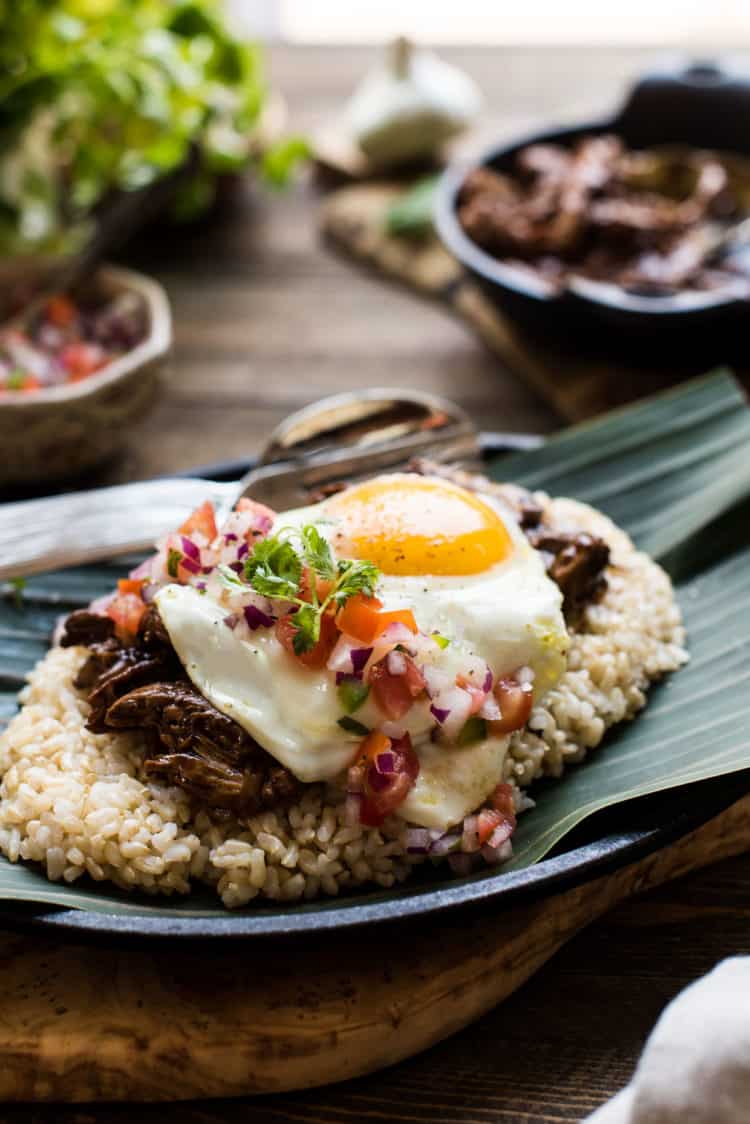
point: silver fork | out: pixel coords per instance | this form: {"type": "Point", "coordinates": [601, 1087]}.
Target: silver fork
{"type": "Point", "coordinates": [345, 437]}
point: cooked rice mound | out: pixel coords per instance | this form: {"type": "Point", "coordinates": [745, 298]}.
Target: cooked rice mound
{"type": "Point", "coordinates": [79, 803]}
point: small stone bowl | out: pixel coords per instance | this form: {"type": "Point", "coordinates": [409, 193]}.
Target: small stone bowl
{"type": "Point", "coordinates": [61, 431]}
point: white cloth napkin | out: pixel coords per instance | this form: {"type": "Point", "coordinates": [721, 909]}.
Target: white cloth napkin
{"type": "Point", "coordinates": [695, 1067]}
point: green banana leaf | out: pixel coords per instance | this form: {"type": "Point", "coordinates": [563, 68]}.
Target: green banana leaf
{"type": "Point", "coordinates": [674, 471]}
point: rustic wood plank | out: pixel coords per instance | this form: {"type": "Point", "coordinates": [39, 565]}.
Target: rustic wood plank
{"type": "Point", "coordinates": [166, 1023]}
{"type": "Point", "coordinates": [570, 1036]}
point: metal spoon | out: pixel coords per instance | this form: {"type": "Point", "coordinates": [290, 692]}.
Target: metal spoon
{"type": "Point", "coordinates": [344, 437]}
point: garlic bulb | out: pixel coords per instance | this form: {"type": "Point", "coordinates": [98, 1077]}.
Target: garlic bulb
{"type": "Point", "coordinates": [407, 106]}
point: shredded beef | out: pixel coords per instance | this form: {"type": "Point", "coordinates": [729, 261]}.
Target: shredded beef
{"type": "Point", "coordinates": [143, 686]}
{"type": "Point", "coordinates": [643, 220]}
{"type": "Point", "coordinates": [86, 628]}
{"type": "Point", "coordinates": [576, 562]}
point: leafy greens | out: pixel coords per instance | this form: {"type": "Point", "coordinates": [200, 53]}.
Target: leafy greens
{"type": "Point", "coordinates": [103, 96]}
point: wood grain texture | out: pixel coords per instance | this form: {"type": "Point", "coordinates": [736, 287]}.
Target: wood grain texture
{"type": "Point", "coordinates": [266, 319]}
{"type": "Point", "coordinates": [159, 1023]}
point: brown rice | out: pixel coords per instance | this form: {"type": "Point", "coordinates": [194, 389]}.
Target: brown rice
{"type": "Point", "coordinates": [79, 803]}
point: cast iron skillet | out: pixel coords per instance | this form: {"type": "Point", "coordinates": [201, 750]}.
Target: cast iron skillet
{"type": "Point", "coordinates": [702, 107]}
{"type": "Point", "coordinates": [603, 844]}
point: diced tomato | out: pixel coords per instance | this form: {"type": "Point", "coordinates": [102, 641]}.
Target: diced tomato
{"type": "Point", "coordinates": [82, 359]}
{"type": "Point", "coordinates": [502, 801]}
{"type": "Point", "coordinates": [61, 311]}
{"type": "Point", "coordinates": [203, 520]}
{"type": "Point", "coordinates": [322, 586]}
{"type": "Point", "coordinates": [487, 820]}
{"type": "Point", "coordinates": [126, 611]}
{"type": "Point", "coordinates": [362, 619]}
{"type": "Point", "coordinates": [394, 694]}
{"type": "Point", "coordinates": [130, 585]}
{"type": "Point", "coordinates": [384, 791]}
{"type": "Point", "coordinates": [391, 692]}
{"type": "Point", "coordinates": [317, 657]}
{"type": "Point", "coordinates": [358, 618]}
{"type": "Point", "coordinates": [30, 382]}
{"type": "Point", "coordinates": [263, 520]}
{"type": "Point", "coordinates": [515, 701]}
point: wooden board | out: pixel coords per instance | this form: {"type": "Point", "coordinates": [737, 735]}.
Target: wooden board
{"type": "Point", "coordinates": [171, 1022]}
{"type": "Point", "coordinates": [576, 385]}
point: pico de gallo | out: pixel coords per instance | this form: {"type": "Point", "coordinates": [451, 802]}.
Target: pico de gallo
{"type": "Point", "coordinates": [327, 617]}
{"type": "Point", "coordinates": [66, 340]}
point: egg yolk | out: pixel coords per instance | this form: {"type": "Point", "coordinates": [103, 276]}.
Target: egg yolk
{"type": "Point", "coordinates": [418, 526]}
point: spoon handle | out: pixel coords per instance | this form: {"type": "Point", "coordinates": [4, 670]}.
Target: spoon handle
{"type": "Point", "coordinates": [47, 534]}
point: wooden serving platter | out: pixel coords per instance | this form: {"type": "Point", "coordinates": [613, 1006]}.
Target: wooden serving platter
{"type": "Point", "coordinates": [173, 1021]}
{"type": "Point", "coordinates": [578, 386]}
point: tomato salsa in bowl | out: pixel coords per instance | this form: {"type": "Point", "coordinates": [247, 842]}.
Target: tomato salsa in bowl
{"type": "Point", "coordinates": [76, 371]}
{"type": "Point", "coordinates": [69, 337]}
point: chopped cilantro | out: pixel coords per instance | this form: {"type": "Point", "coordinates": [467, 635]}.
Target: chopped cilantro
{"type": "Point", "coordinates": [441, 641]}
{"type": "Point", "coordinates": [275, 569]}
{"type": "Point", "coordinates": [174, 558]}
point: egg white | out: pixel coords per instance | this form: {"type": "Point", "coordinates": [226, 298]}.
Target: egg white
{"type": "Point", "coordinates": [510, 615]}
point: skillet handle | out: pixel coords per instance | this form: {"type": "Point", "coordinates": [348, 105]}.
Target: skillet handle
{"type": "Point", "coordinates": [702, 106]}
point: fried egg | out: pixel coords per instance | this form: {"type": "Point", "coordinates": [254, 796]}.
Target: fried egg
{"type": "Point", "coordinates": [464, 568]}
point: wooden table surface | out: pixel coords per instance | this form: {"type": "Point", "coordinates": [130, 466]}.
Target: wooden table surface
{"type": "Point", "coordinates": [266, 320]}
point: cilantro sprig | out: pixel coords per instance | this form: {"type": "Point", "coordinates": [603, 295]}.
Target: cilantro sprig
{"type": "Point", "coordinates": [276, 569]}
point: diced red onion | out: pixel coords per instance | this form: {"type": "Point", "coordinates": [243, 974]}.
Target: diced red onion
{"type": "Point", "coordinates": [231, 537]}
{"type": "Point", "coordinates": [418, 840]}
{"type": "Point", "coordinates": [386, 763]}
{"type": "Point", "coordinates": [359, 657]}
{"type": "Point", "coordinates": [396, 663]}
{"type": "Point", "coordinates": [207, 569]}
{"type": "Point", "coordinates": [198, 585]}
{"type": "Point", "coordinates": [190, 565]}
{"type": "Point", "coordinates": [237, 567]}
{"type": "Point", "coordinates": [490, 711]}
{"type": "Point", "coordinates": [503, 831]}
{"type": "Point", "coordinates": [340, 658]}
{"type": "Point", "coordinates": [439, 713]}
{"type": "Point", "coordinates": [497, 854]}
{"type": "Point", "coordinates": [470, 837]}
{"type": "Point", "coordinates": [445, 844]}
{"type": "Point", "coordinates": [256, 618]}
{"type": "Point", "coordinates": [458, 702]}
{"type": "Point", "coordinates": [378, 781]}
{"type": "Point", "coordinates": [487, 685]}
{"type": "Point", "coordinates": [231, 621]}
{"type": "Point", "coordinates": [242, 551]}
{"type": "Point", "coordinates": [190, 549]}
{"type": "Point", "coordinates": [460, 863]}
{"type": "Point", "coordinates": [436, 679]}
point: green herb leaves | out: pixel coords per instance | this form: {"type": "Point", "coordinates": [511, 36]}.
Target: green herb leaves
{"type": "Point", "coordinates": [274, 569]}
{"type": "Point", "coordinates": [174, 557]}
{"type": "Point", "coordinates": [288, 566]}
